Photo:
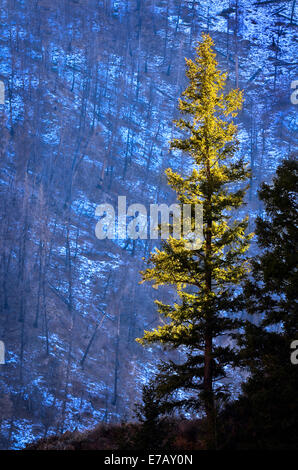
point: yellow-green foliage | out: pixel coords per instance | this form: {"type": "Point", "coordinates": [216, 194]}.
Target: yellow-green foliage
{"type": "Point", "coordinates": [210, 138]}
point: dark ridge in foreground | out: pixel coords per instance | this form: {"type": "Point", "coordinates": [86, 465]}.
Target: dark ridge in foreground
{"type": "Point", "coordinates": [183, 435]}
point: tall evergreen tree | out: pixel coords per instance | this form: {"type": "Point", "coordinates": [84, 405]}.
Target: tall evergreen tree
{"type": "Point", "coordinates": [204, 278]}
{"type": "Point", "coordinates": [272, 290]}
{"type": "Point", "coordinates": [269, 402]}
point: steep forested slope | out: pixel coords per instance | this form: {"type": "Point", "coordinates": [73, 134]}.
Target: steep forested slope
{"type": "Point", "coordinates": [91, 89]}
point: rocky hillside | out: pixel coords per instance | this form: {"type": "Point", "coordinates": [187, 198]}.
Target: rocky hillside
{"type": "Point", "coordinates": [91, 90]}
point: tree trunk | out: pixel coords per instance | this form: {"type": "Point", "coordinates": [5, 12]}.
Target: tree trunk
{"type": "Point", "coordinates": [208, 360]}
{"type": "Point", "coordinates": [209, 396]}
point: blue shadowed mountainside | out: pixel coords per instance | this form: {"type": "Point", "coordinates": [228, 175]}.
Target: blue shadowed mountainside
{"type": "Point", "coordinates": [91, 90]}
